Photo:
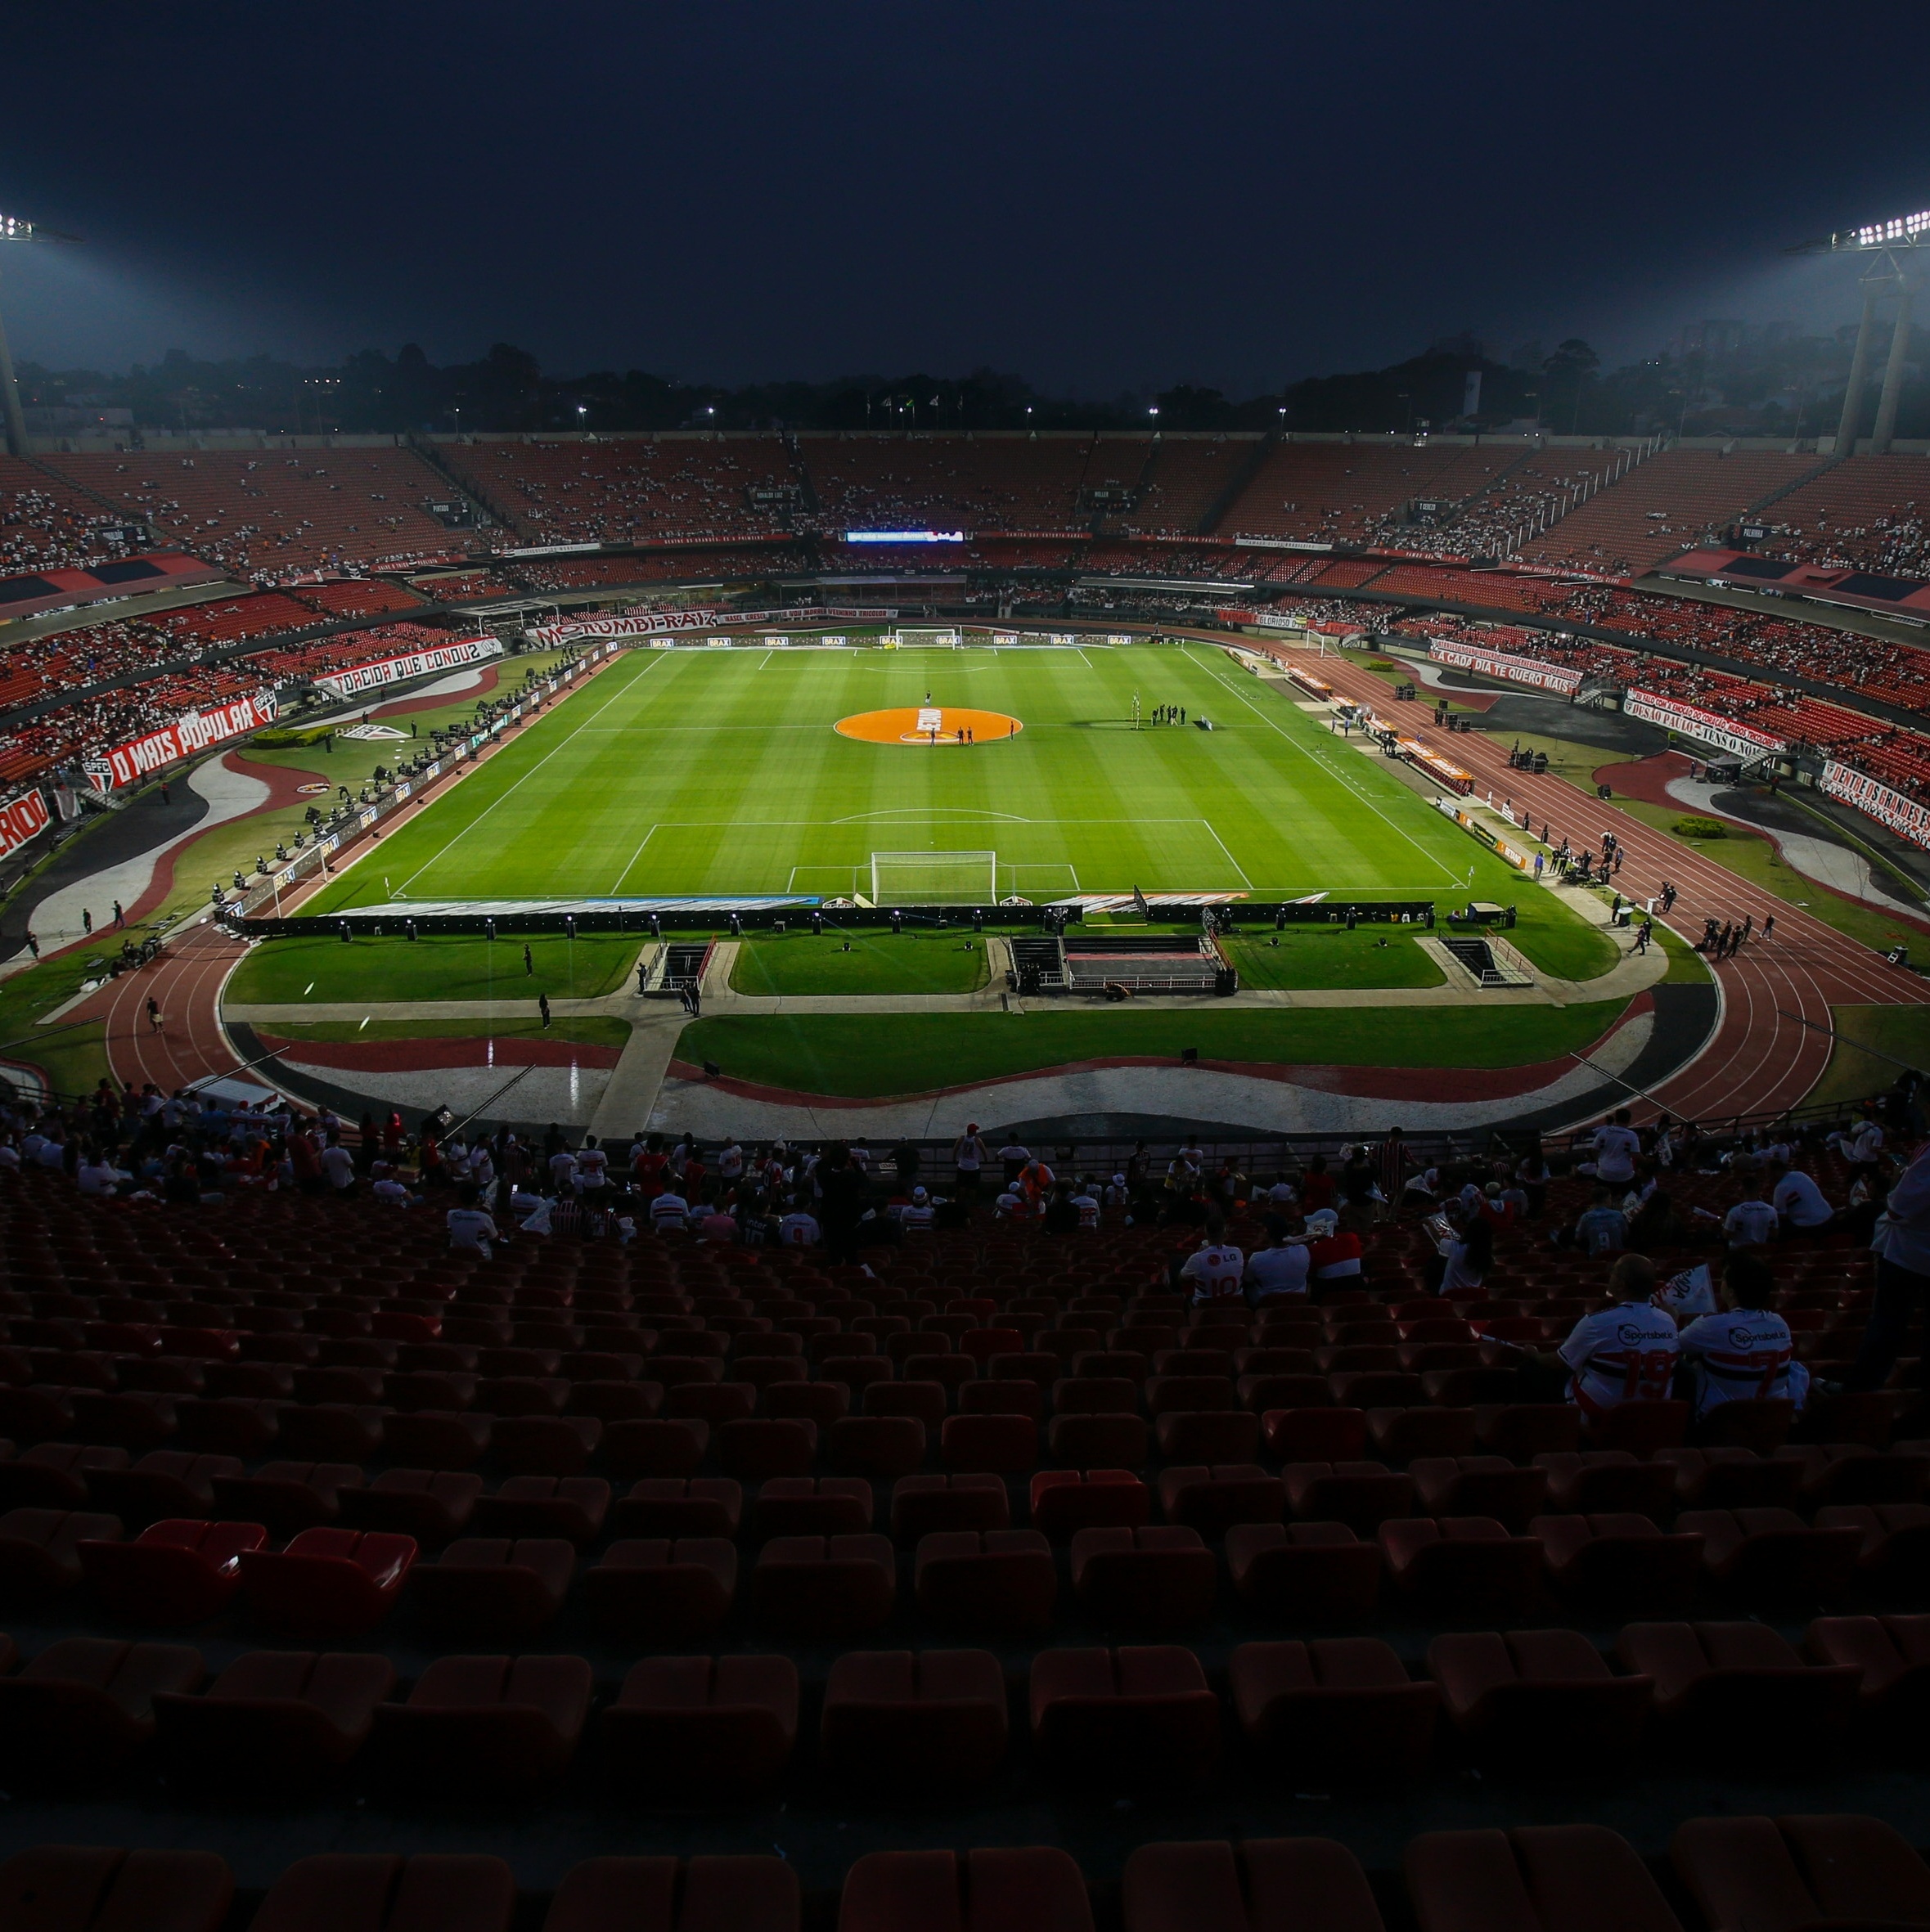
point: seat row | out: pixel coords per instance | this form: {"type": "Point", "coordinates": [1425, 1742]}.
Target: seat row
{"type": "Point", "coordinates": [1830, 1869]}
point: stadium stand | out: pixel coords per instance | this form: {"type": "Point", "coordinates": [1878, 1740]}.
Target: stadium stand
{"type": "Point", "coordinates": [46, 524]}
{"type": "Point", "coordinates": [1866, 512]}
{"type": "Point", "coordinates": [354, 597]}
{"type": "Point", "coordinates": [974, 483]}
{"type": "Point", "coordinates": [271, 513]}
{"type": "Point", "coordinates": [1351, 493]}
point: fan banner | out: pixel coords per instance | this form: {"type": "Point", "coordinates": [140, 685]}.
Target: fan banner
{"type": "Point", "coordinates": [1520, 670]}
{"type": "Point", "coordinates": [23, 817]}
{"type": "Point", "coordinates": [193, 731]}
{"type": "Point", "coordinates": [1705, 724]}
{"type": "Point", "coordinates": [389, 670]}
{"type": "Point", "coordinates": [1908, 817]}
{"type": "Point", "coordinates": [646, 623]}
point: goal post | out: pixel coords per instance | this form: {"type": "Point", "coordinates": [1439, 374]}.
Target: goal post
{"type": "Point", "coordinates": [935, 878]}
{"type": "Point", "coordinates": [916, 637]}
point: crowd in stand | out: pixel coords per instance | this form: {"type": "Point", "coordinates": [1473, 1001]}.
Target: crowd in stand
{"type": "Point", "coordinates": [46, 526]}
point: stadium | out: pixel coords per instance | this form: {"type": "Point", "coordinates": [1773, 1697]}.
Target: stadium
{"type": "Point", "coordinates": [917, 1155]}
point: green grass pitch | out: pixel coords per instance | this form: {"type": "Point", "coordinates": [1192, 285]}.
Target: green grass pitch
{"type": "Point", "coordinates": [715, 772]}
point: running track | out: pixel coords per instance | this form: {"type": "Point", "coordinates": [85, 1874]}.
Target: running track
{"type": "Point", "coordinates": [1757, 1062]}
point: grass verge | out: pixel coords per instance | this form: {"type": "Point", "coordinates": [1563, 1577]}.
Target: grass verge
{"type": "Point", "coordinates": [1903, 1032]}
{"type": "Point", "coordinates": [440, 966]}
{"type": "Point", "coordinates": [859, 962]}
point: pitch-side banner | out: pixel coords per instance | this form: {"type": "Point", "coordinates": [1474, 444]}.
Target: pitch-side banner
{"type": "Point", "coordinates": [647, 624]}
{"type": "Point", "coordinates": [1694, 723]}
{"type": "Point", "coordinates": [193, 731]}
{"type": "Point", "coordinates": [1521, 671]}
{"type": "Point", "coordinates": [1908, 817]}
{"type": "Point", "coordinates": [389, 671]}
{"type": "Point", "coordinates": [21, 818]}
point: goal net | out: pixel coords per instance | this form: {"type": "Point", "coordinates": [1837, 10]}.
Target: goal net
{"type": "Point", "coordinates": [921, 640]}
{"type": "Point", "coordinates": [935, 878]}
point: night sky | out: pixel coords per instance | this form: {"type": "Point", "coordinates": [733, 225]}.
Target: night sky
{"type": "Point", "coordinates": [1097, 197]}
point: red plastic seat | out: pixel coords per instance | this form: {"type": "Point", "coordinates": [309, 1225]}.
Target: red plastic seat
{"type": "Point", "coordinates": [79, 1888]}
{"type": "Point", "coordinates": [1363, 1495]}
{"type": "Point", "coordinates": [1065, 1501]}
{"type": "Point", "coordinates": [431, 1506]}
{"type": "Point", "coordinates": [328, 1582]}
{"type": "Point", "coordinates": [1771, 1556]}
{"type": "Point", "coordinates": [381, 1892]}
{"type": "Point", "coordinates": [723, 1727]}
{"type": "Point", "coordinates": [656, 1591]}
{"type": "Point", "coordinates": [1620, 1563]}
{"type": "Point", "coordinates": [989, 1444]}
{"type": "Point", "coordinates": [1106, 1440]}
{"type": "Point", "coordinates": [58, 1475]}
{"type": "Point", "coordinates": [286, 1498]}
{"type": "Point", "coordinates": [1892, 1653]}
{"type": "Point", "coordinates": [1211, 1499]}
{"type": "Point", "coordinates": [287, 1716]}
{"type": "Point", "coordinates": [571, 1506]}
{"type": "Point", "coordinates": [85, 1705]}
{"type": "Point", "coordinates": [1136, 1713]}
{"type": "Point", "coordinates": [1478, 1487]}
{"type": "Point", "coordinates": [1463, 1568]}
{"type": "Point", "coordinates": [1031, 1889]}
{"type": "Point", "coordinates": [175, 1572]}
{"type": "Point", "coordinates": [823, 1586]}
{"type": "Point", "coordinates": [1539, 1878]}
{"type": "Point", "coordinates": [40, 1550]}
{"type": "Point", "coordinates": [1207, 1435]}
{"type": "Point", "coordinates": [1398, 1435]}
{"type": "Point", "coordinates": [1837, 1473]}
{"type": "Point", "coordinates": [1608, 1482]}
{"type": "Point", "coordinates": [1313, 1433]}
{"type": "Point", "coordinates": [1894, 1549]}
{"type": "Point", "coordinates": [1160, 1578]}
{"type": "Point", "coordinates": [660, 1447]}
{"type": "Point", "coordinates": [925, 1505]}
{"type": "Point", "coordinates": [1732, 1477]}
{"type": "Point", "coordinates": [1523, 1430]}
{"type": "Point", "coordinates": [999, 1582]}
{"type": "Point", "coordinates": [1790, 1873]}
{"type": "Point", "coordinates": [704, 1895]}
{"type": "Point", "coordinates": [163, 1483]}
{"type": "Point", "coordinates": [1306, 1573]}
{"type": "Point", "coordinates": [1639, 1427]}
{"type": "Point", "coordinates": [489, 1589]}
{"type": "Point", "coordinates": [813, 1505]}
{"type": "Point", "coordinates": [1740, 1686]}
{"type": "Point", "coordinates": [930, 1721]}
{"type": "Point", "coordinates": [679, 1505]}
{"type": "Point", "coordinates": [760, 1448]}
{"type": "Point", "coordinates": [1338, 1709]}
{"type": "Point", "coordinates": [1263, 1885]}
{"type": "Point", "coordinates": [1539, 1698]}
{"type": "Point", "coordinates": [487, 1723]}
{"type": "Point", "coordinates": [882, 1447]}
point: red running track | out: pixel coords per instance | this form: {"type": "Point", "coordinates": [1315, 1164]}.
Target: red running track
{"type": "Point", "coordinates": [1759, 1061]}
{"type": "Point", "coordinates": [185, 983]}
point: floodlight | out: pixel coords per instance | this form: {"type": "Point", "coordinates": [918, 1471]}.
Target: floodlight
{"type": "Point", "coordinates": [12, 228]}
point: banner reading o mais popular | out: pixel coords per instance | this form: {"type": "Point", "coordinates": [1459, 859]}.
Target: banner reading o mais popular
{"type": "Point", "coordinates": [21, 818]}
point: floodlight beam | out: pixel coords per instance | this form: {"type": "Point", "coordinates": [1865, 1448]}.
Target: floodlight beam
{"type": "Point", "coordinates": [12, 228]}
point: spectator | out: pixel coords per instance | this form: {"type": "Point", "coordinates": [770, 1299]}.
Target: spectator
{"type": "Point", "coordinates": [1902, 1276]}
{"type": "Point", "coordinates": [471, 1229]}
{"type": "Point", "coordinates": [1616, 1146]}
{"type": "Point", "coordinates": [1601, 1228]}
{"type": "Point", "coordinates": [1798, 1201]}
{"type": "Point", "coordinates": [1462, 1258]}
{"type": "Point", "coordinates": [1625, 1353]}
{"type": "Point", "coordinates": [1752, 1221]}
{"type": "Point", "coordinates": [1744, 1352]}
{"type": "Point", "coordinates": [1281, 1267]}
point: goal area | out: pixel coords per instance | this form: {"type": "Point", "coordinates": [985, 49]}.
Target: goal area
{"type": "Point", "coordinates": [935, 878]}
{"type": "Point", "coordinates": [913, 637]}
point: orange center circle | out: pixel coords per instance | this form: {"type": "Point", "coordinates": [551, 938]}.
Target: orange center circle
{"type": "Point", "coordinates": [929, 724]}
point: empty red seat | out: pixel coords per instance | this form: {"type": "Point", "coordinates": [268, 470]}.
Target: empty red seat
{"type": "Point", "coordinates": [1788, 1872]}
{"type": "Point", "coordinates": [1036, 1888]}
{"type": "Point", "coordinates": [1001, 1582]}
{"type": "Point", "coordinates": [655, 1448]}
{"type": "Point", "coordinates": [680, 1506]}
{"type": "Point", "coordinates": [715, 1727]}
{"type": "Point", "coordinates": [883, 1447]}
{"type": "Point", "coordinates": [175, 1572]}
{"type": "Point", "coordinates": [703, 1894]}
{"type": "Point", "coordinates": [1315, 1435]}
{"type": "Point", "coordinates": [58, 1475]}
{"type": "Point", "coordinates": [1539, 1698]}
{"type": "Point", "coordinates": [1892, 1653]}
{"type": "Point", "coordinates": [163, 1483]}
{"type": "Point", "coordinates": [1463, 1568]}
{"type": "Point", "coordinates": [1477, 1486]}
{"type": "Point", "coordinates": [132, 1419]}
{"type": "Point", "coordinates": [492, 1589]}
{"type": "Point", "coordinates": [758, 1448]}
{"type": "Point", "coordinates": [1138, 1712]}
{"type": "Point", "coordinates": [820, 1404]}
{"type": "Point", "coordinates": [932, 1720]}
{"type": "Point", "coordinates": [1639, 1427]}
{"type": "Point", "coordinates": [286, 1498]}
{"type": "Point", "coordinates": [1535, 1879]}
{"type": "Point", "coordinates": [571, 1506]}
{"type": "Point", "coordinates": [1732, 1478]}
{"type": "Point", "coordinates": [328, 1582]}
{"type": "Point", "coordinates": [1211, 1499]}
{"type": "Point", "coordinates": [84, 1705]}
{"type": "Point", "coordinates": [1108, 1441]}
{"type": "Point", "coordinates": [813, 1505]}
{"type": "Point", "coordinates": [1523, 1430]}
{"type": "Point", "coordinates": [1620, 1563]}
{"type": "Point", "coordinates": [1399, 1434]}
{"type": "Point", "coordinates": [77, 1887]}
{"type": "Point", "coordinates": [1363, 1495]}
{"type": "Point", "coordinates": [1739, 1685]}
{"type": "Point", "coordinates": [1845, 1472]}
{"type": "Point", "coordinates": [382, 1892]}
{"type": "Point", "coordinates": [1162, 1578]}
{"type": "Point", "coordinates": [923, 1505]}
{"type": "Point", "coordinates": [1772, 1555]}
{"type": "Point", "coordinates": [657, 1591]}
{"type": "Point", "coordinates": [1607, 1482]}
{"type": "Point", "coordinates": [823, 1586]}
{"type": "Point", "coordinates": [1893, 1550]}
{"type": "Point", "coordinates": [544, 1445]}
{"type": "Point", "coordinates": [1309, 1573]}
{"type": "Point", "coordinates": [1338, 1709]}
{"type": "Point", "coordinates": [1065, 1501]}
{"type": "Point", "coordinates": [1295, 1885]}
{"type": "Point", "coordinates": [486, 1723]}
{"type": "Point", "coordinates": [40, 1550]}
{"type": "Point", "coordinates": [334, 1431]}
{"type": "Point", "coordinates": [989, 1444]}
{"type": "Point", "coordinates": [287, 1716]}
{"type": "Point", "coordinates": [1207, 1435]}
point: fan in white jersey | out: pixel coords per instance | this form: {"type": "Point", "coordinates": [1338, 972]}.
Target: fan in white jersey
{"type": "Point", "coordinates": [1687, 1294]}
{"type": "Point", "coordinates": [1215, 1271]}
{"type": "Point", "coordinates": [1745, 1352]}
{"type": "Point", "coordinates": [1624, 1353]}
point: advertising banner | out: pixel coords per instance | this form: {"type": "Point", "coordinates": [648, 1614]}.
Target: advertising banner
{"type": "Point", "coordinates": [1520, 670]}
{"type": "Point", "coordinates": [1693, 722]}
{"type": "Point", "coordinates": [1908, 817]}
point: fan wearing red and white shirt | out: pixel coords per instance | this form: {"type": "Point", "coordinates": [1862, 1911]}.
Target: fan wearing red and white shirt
{"type": "Point", "coordinates": [1215, 1268]}
{"type": "Point", "coordinates": [1332, 1254]}
{"type": "Point", "coordinates": [1626, 1353]}
{"type": "Point", "coordinates": [1745, 1353]}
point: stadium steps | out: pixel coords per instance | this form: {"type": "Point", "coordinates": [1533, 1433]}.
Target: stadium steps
{"type": "Point", "coordinates": [68, 483]}
{"type": "Point", "coordinates": [470, 493]}
{"type": "Point", "coordinates": [1763, 502]}
{"type": "Point", "coordinates": [1237, 483]}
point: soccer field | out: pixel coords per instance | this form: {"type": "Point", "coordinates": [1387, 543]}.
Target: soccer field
{"type": "Point", "coordinates": [696, 773]}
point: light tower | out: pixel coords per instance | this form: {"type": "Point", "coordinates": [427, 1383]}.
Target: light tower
{"type": "Point", "coordinates": [1888, 246]}
{"type": "Point", "coordinates": [13, 229]}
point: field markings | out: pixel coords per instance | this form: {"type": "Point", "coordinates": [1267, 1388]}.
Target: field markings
{"type": "Point", "coordinates": [634, 857]}
{"type": "Point", "coordinates": [569, 739]}
{"type": "Point", "coordinates": [1230, 859]}
{"type": "Point", "coordinates": [1345, 778]}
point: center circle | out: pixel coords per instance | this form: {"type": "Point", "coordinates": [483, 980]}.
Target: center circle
{"type": "Point", "coordinates": [931, 725]}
